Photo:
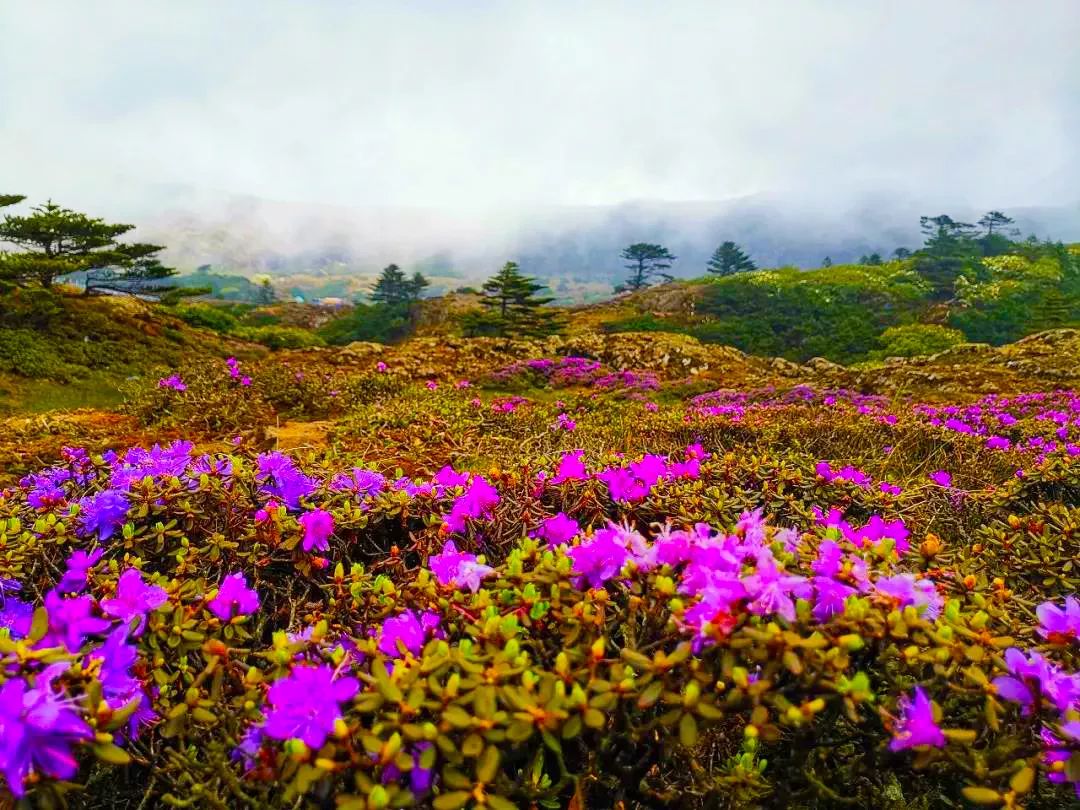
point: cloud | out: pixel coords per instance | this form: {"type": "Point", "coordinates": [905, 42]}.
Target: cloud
{"type": "Point", "coordinates": [480, 106]}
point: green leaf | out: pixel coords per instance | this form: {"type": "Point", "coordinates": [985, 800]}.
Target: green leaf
{"type": "Point", "coordinates": [1023, 779]}
{"type": "Point", "coordinates": [984, 797]}
{"type": "Point", "coordinates": [487, 767]}
{"type": "Point", "coordinates": [453, 800]}
{"type": "Point", "coordinates": [688, 731]}
{"type": "Point", "coordinates": [112, 754]}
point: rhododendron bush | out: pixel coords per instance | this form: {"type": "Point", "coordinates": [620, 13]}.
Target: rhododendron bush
{"type": "Point", "coordinates": [794, 598]}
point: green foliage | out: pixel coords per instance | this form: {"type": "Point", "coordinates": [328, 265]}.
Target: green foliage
{"type": "Point", "coordinates": [917, 340]}
{"type": "Point", "coordinates": [835, 312]}
{"type": "Point", "coordinates": [646, 263]}
{"type": "Point", "coordinates": [395, 289]}
{"type": "Point", "coordinates": [207, 316]}
{"type": "Point", "coordinates": [513, 307]}
{"type": "Point", "coordinates": [373, 323]}
{"type": "Point", "coordinates": [280, 337]}
{"type": "Point", "coordinates": [729, 259]}
{"type": "Point", "coordinates": [57, 241]}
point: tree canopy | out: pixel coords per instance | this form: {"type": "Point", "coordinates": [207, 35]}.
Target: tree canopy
{"type": "Point", "coordinates": [646, 262]}
{"type": "Point", "coordinates": [512, 306]}
{"type": "Point", "coordinates": [56, 241]}
{"type": "Point", "coordinates": [394, 287]}
{"type": "Point", "coordinates": [728, 259]}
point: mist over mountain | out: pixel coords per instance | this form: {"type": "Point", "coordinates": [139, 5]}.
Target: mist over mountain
{"type": "Point", "coordinates": [249, 235]}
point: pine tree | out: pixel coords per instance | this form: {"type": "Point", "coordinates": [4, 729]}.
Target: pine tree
{"type": "Point", "coordinates": [947, 237]}
{"type": "Point", "coordinates": [392, 286]}
{"type": "Point", "coordinates": [513, 306]}
{"type": "Point", "coordinates": [57, 241]}
{"type": "Point", "coordinates": [995, 219]}
{"type": "Point", "coordinates": [416, 286]}
{"type": "Point", "coordinates": [826, 262]}
{"type": "Point", "coordinates": [729, 259]}
{"type": "Point", "coordinates": [645, 262]}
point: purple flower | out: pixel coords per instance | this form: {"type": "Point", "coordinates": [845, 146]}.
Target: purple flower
{"type": "Point", "coordinates": [599, 559]}
{"type": "Point", "coordinates": [890, 489]}
{"type": "Point", "coordinates": [771, 589]}
{"type": "Point", "coordinates": [103, 513]}
{"type": "Point", "coordinates": [280, 479]}
{"type": "Point", "coordinates": [365, 483]}
{"type": "Point", "coordinates": [1033, 676]}
{"type": "Point", "coordinates": [831, 596]}
{"type": "Point", "coordinates": [479, 499]}
{"type": "Point", "coordinates": [133, 598]}
{"type": "Point", "coordinates": [1059, 623]}
{"type": "Point", "coordinates": [408, 631]}
{"type": "Point", "coordinates": [234, 598]}
{"type": "Point", "coordinates": [448, 477]}
{"type": "Point", "coordinates": [909, 591]}
{"type": "Point", "coordinates": [941, 478]}
{"type": "Point", "coordinates": [70, 620]}
{"type": "Point", "coordinates": [318, 525]}
{"type": "Point", "coordinates": [998, 443]}
{"type": "Point", "coordinates": [460, 569]}
{"type": "Point", "coordinates": [38, 728]}
{"type": "Point", "coordinates": [916, 725]}
{"type": "Point", "coordinates": [174, 382]}
{"type": "Point", "coordinates": [17, 616]}
{"type": "Point", "coordinates": [77, 570]}
{"type": "Point", "coordinates": [306, 704]}
{"type": "Point", "coordinates": [559, 530]}
{"type": "Point", "coordinates": [119, 686]}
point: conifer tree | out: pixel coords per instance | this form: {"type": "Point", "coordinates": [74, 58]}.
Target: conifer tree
{"type": "Point", "coordinates": [729, 259]}
{"type": "Point", "coordinates": [391, 288]}
{"type": "Point", "coordinates": [645, 261]}
{"type": "Point", "coordinates": [57, 241]}
{"type": "Point", "coordinates": [514, 306]}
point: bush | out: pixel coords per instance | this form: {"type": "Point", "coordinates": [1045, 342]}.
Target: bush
{"type": "Point", "coordinates": [372, 323]}
{"type": "Point", "coordinates": [917, 340]}
{"type": "Point", "coordinates": [207, 316]}
{"type": "Point", "coordinates": [280, 337]}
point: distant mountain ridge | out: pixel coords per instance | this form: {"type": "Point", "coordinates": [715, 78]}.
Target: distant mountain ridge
{"type": "Point", "coordinates": [581, 244]}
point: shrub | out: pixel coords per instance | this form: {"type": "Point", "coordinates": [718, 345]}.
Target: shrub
{"type": "Point", "coordinates": [207, 316]}
{"type": "Point", "coordinates": [916, 340]}
{"type": "Point", "coordinates": [280, 337]}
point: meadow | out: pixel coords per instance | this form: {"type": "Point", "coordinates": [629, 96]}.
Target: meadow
{"type": "Point", "coordinates": [597, 571]}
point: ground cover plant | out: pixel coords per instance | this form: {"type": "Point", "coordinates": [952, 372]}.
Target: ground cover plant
{"type": "Point", "coordinates": [558, 581]}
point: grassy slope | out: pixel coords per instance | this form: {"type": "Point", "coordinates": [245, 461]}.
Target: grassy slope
{"type": "Point", "coordinates": [83, 355]}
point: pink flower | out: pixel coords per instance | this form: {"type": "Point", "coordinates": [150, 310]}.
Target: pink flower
{"type": "Point", "coordinates": [941, 478]}
{"type": "Point", "coordinates": [916, 725]}
{"type": "Point", "coordinates": [174, 382]}
{"type": "Point", "coordinates": [380, 366]}
{"type": "Point", "coordinates": [559, 530]}
{"type": "Point", "coordinates": [318, 525]}
{"type": "Point", "coordinates": [234, 598]}
{"type": "Point", "coordinates": [453, 567]}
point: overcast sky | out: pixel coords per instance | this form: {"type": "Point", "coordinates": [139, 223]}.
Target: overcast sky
{"type": "Point", "coordinates": [487, 104]}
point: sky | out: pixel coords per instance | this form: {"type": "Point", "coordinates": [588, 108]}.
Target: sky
{"type": "Point", "coordinates": [472, 105]}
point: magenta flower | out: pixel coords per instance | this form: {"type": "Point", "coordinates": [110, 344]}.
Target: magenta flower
{"type": "Point", "coordinates": [174, 382]}
{"type": "Point", "coordinates": [907, 590]}
{"type": "Point", "coordinates": [38, 729]}
{"type": "Point", "coordinates": [1033, 676]}
{"type": "Point", "coordinates": [77, 569]}
{"type": "Point", "coordinates": [71, 620]}
{"type": "Point", "coordinates": [406, 632]}
{"type": "Point", "coordinates": [234, 598]}
{"type": "Point", "coordinates": [941, 478]}
{"type": "Point", "coordinates": [998, 443]}
{"type": "Point", "coordinates": [916, 725]}
{"type": "Point", "coordinates": [771, 589]}
{"type": "Point", "coordinates": [571, 468]}
{"type": "Point", "coordinates": [460, 569]}
{"type": "Point", "coordinates": [831, 596]}
{"type": "Point", "coordinates": [564, 422]}
{"type": "Point", "coordinates": [306, 704]}
{"type": "Point", "coordinates": [318, 525]}
{"type": "Point", "coordinates": [133, 598]}
{"type": "Point", "coordinates": [478, 501]}
{"type": "Point", "coordinates": [559, 530]}
{"type": "Point", "coordinates": [599, 559]}
{"type": "Point", "coordinates": [1059, 624]}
